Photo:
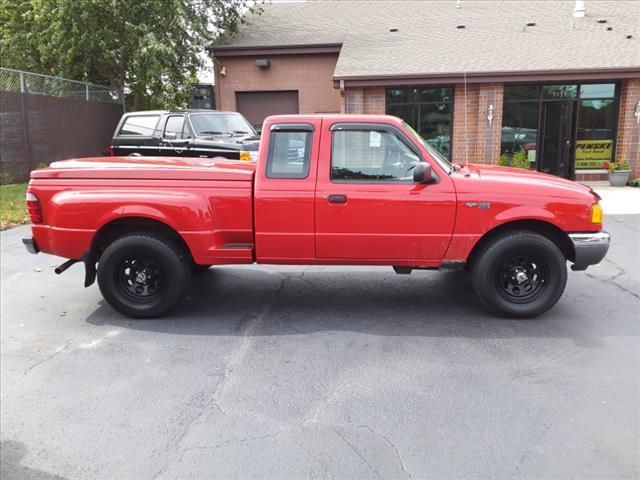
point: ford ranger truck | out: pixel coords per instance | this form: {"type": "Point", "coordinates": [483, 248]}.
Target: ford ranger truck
{"type": "Point", "coordinates": [325, 190]}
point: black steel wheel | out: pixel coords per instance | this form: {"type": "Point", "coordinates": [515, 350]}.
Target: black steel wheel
{"type": "Point", "coordinates": [143, 275]}
{"type": "Point", "coordinates": [519, 274]}
{"type": "Point", "coordinates": [140, 276]}
{"type": "Point", "coordinates": [522, 278]}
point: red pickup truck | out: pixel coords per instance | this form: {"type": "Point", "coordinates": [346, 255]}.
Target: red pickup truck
{"type": "Point", "coordinates": [325, 190]}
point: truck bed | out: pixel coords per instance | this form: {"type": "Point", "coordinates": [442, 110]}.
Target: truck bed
{"type": "Point", "coordinates": [208, 202]}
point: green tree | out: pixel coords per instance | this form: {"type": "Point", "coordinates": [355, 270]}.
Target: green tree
{"type": "Point", "coordinates": [151, 49]}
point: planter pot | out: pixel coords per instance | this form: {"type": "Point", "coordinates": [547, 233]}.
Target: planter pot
{"type": "Point", "coordinates": [619, 178]}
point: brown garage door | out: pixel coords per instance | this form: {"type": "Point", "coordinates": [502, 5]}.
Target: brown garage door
{"type": "Point", "coordinates": [256, 106]}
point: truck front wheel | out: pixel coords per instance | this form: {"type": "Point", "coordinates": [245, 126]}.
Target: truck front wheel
{"type": "Point", "coordinates": [519, 275]}
{"type": "Point", "coordinates": [143, 275]}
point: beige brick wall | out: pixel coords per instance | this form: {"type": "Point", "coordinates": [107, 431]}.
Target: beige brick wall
{"type": "Point", "coordinates": [310, 75]}
{"type": "Point", "coordinates": [628, 141]}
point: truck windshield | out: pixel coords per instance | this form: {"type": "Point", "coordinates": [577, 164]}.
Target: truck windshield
{"type": "Point", "coordinates": [225, 124]}
{"type": "Point", "coordinates": [438, 157]}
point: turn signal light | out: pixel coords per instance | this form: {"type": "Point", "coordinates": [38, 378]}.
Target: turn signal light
{"type": "Point", "coordinates": [245, 156]}
{"type": "Point", "coordinates": [596, 213]}
{"type": "Point", "coordinates": [33, 205]}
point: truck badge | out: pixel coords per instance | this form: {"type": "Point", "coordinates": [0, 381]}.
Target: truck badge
{"type": "Point", "coordinates": [480, 205]}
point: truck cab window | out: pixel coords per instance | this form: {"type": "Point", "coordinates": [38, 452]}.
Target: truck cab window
{"type": "Point", "coordinates": [175, 125]}
{"type": "Point", "coordinates": [289, 153]}
{"type": "Point", "coordinates": [371, 155]}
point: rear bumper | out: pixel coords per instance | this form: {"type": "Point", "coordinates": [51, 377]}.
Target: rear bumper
{"type": "Point", "coordinates": [32, 246]}
{"type": "Point", "coordinates": [589, 248]}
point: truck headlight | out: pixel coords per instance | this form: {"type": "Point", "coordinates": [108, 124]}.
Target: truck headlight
{"type": "Point", "coordinates": [253, 154]}
{"type": "Point", "coordinates": [596, 213]}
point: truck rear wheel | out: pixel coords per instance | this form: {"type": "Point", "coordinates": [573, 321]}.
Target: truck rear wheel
{"type": "Point", "coordinates": [519, 275]}
{"type": "Point", "coordinates": [142, 275]}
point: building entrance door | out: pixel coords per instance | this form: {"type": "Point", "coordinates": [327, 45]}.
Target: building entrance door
{"type": "Point", "coordinates": [557, 138]}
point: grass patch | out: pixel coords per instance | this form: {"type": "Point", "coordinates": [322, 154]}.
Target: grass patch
{"type": "Point", "coordinates": [13, 209]}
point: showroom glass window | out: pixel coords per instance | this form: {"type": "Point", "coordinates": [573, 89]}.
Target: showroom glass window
{"type": "Point", "coordinates": [595, 107]}
{"type": "Point", "coordinates": [595, 136]}
{"type": "Point", "coordinates": [428, 110]}
{"type": "Point", "coordinates": [520, 118]}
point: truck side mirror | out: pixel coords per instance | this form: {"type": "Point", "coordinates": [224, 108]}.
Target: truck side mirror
{"type": "Point", "coordinates": [170, 135]}
{"type": "Point", "coordinates": [422, 173]}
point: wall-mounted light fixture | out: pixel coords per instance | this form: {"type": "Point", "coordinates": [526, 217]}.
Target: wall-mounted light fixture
{"type": "Point", "coordinates": [263, 63]}
{"type": "Point", "coordinates": [490, 111]}
{"type": "Point", "coordinates": [223, 70]}
{"type": "Point", "coordinates": [636, 112]}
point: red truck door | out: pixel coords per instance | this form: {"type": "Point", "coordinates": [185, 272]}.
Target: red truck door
{"type": "Point", "coordinates": [367, 205]}
{"type": "Point", "coordinates": [285, 190]}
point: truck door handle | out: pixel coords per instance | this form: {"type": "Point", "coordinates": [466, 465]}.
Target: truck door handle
{"type": "Point", "coordinates": [337, 199]}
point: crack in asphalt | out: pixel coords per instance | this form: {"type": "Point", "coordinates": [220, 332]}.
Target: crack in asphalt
{"type": "Point", "coordinates": [525, 454]}
{"type": "Point", "coordinates": [621, 271]}
{"type": "Point", "coordinates": [236, 359]}
{"type": "Point", "coordinates": [247, 329]}
{"type": "Point", "coordinates": [392, 445]}
{"type": "Point", "coordinates": [356, 451]}
{"type": "Point", "coordinates": [227, 442]}
{"type": "Point", "coordinates": [612, 280]}
{"type": "Point", "coordinates": [40, 362]}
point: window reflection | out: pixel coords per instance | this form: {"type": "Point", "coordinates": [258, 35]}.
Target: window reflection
{"type": "Point", "coordinates": [519, 134]}
{"type": "Point", "coordinates": [598, 90]}
{"type": "Point", "coordinates": [559, 91]}
{"type": "Point", "coordinates": [428, 110]}
{"type": "Point", "coordinates": [370, 155]}
{"type": "Point", "coordinates": [595, 122]}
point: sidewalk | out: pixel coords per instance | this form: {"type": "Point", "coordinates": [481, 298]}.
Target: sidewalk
{"type": "Point", "coordinates": [617, 200]}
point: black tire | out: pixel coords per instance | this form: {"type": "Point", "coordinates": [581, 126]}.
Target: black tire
{"type": "Point", "coordinates": [519, 275]}
{"type": "Point", "coordinates": [142, 275]}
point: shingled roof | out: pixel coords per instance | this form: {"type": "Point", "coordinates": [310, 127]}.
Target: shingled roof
{"type": "Point", "coordinates": [427, 41]}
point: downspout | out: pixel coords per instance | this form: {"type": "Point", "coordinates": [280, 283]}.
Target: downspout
{"type": "Point", "coordinates": [216, 81]}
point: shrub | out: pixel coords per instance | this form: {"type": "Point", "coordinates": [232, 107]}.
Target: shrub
{"type": "Point", "coordinates": [614, 167]}
{"type": "Point", "coordinates": [517, 160]}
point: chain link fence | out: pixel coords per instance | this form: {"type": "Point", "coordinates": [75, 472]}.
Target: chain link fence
{"type": "Point", "coordinates": [44, 118]}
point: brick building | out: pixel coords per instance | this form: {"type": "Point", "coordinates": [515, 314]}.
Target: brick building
{"type": "Point", "coordinates": [538, 83]}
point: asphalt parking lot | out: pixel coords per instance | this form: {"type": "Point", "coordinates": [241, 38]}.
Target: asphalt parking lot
{"type": "Point", "coordinates": [292, 373]}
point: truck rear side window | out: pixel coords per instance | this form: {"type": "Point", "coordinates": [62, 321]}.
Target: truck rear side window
{"type": "Point", "coordinates": [142, 125]}
{"type": "Point", "coordinates": [289, 153]}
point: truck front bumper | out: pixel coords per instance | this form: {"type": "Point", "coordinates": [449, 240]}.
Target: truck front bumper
{"type": "Point", "coordinates": [589, 248]}
{"type": "Point", "coordinates": [32, 246]}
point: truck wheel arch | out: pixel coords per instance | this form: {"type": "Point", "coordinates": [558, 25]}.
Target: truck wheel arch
{"type": "Point", "coordinates": [119, 227]}
{"type": "Point", "coordinates": [546, 229]}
